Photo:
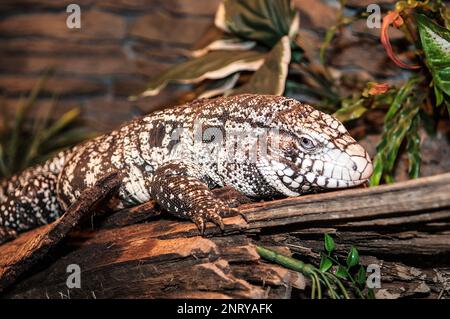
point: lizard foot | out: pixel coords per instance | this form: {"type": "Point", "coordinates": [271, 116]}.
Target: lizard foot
{"type": "Point", "coordinates": [231, 196]}
{"type": "Point", "coordinates": [214, 213]}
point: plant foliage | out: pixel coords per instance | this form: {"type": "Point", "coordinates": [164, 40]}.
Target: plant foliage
{"type": "Point", "coordinates": [24, 143]}
{"type": "Point", "coordinates": [257, 36]}
{"type": "Point", "coordinates": [332, 274]}
{"type": "Point", "coordinates": [260, 51]}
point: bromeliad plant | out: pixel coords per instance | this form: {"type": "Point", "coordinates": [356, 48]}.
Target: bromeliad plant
{"type": "Point", "coordinates": [332, 274]}
{"type": "Point", "coordinates": [252, 53]}
{"type": "Point", "coordinates": [23, 144]}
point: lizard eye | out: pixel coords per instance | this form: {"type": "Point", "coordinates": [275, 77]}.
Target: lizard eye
{"type": "Point", "coordinates": [307, 143]}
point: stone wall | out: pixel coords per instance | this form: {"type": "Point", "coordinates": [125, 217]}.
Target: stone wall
{"type": "Point", "coordinates": [122, 43]}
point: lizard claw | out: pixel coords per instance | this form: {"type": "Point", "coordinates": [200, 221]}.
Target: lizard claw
{"type": "Point", "coordinates": [212, 213]}
{"type": "Point", "coordinates": [226, 211]}
{"type": "Point", "coordinates": [215, 218]}
{"type": "Point", "coordinates": [199, 221]}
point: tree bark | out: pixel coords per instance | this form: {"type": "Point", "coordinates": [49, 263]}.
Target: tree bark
{"type": "Point", "coordinates": [23, 253]}
{"type": "Point", "coordinates": [404, 228]}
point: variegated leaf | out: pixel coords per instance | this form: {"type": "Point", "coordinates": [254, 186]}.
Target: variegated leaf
{"type": "Point", "coordinates": [214, 65]}
{"type": "Point", "coordinates": [270, 78]}
{"type": "Point", "coordinates": [264, 21]}
{"type": "Point", "coordinates": [219, 87]}
{"type": "Point", "coordinates": [436, 45]}
{"type": "Point", "coordinates": [226, 43]}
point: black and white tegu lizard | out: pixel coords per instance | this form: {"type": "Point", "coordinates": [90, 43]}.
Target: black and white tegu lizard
{"type": "Point", "coordinates": [261, 145]}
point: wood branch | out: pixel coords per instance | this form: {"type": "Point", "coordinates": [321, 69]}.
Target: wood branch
{"type": "Point", "coordinates": [133, 264]}
{"type": "Point", "coordinates": [424, 199]}
{"type": "Point", "coordinates": [388, 224]}
{"type": "Point", "coordinates": [25, 252]}
{"type": "Point", "coordinates": [130, 216]}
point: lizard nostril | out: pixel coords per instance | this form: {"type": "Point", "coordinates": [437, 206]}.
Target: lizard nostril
{"type": "Point", "coordinates": [354, 167]}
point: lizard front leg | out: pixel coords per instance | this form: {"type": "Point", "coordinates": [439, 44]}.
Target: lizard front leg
{"type": "Point", "coordinates": [182, 190]}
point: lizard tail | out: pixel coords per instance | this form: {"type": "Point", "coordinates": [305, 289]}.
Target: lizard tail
{"type": "Point", "coordinates": [29, 199]}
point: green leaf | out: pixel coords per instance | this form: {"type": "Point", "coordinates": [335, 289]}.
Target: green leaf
{"type": "Point", "coordinates": [225, 43]}
{"type": "Point", "coordinates": [28, 142]}
{"type": "Point", "coordinates": [353, 257]}
{"type": "Point", "coordinates": [24, 107]}
{"type": "Point", "coordinates": [65, 120]}
{"type": "Point", "coordinates": [398, 132]}
{"type": "Point", "coordinates": [341, 272]}
{"type": "Point", "coordinates": [448, 106]}
{"type": "Point", "coordinates": [436, 45]}
{"type": "Point", "coordinates": [326, 42]}
{"type": "Point", "coordinates": [438, 94]}
{"type": "Point", "coordinates": [400, 97]}
{"type": "Point", "coordinates": [213, 65]}
{"type": "Point", "coordinates": [270, 78]}
{"type": "Point", "coordinates": [218, 87]}
{"type": "Point", "coordinates": [328, 243]}
{"type": "Point", "coordinates": [264, 21]}
{"type": "Point", "coordinates": [325, 264]}
{"type": "Point", "coordinates": [388, 178]}
{"type": "Point", "coordinates": [361, 276]}
{"type": "Point", "coordinates": [398, 120]}
{"type": "Point", "coordinates": [413, 148]}
{"type": "Point", "coordinates": [428, 122]}
{"type": "Point", "coordinates": [351, 111]}
{"type": "Point", "coordinates": [378, 168]}
{"type": "Point", "coordinates": [62, 141]}
{"type": "Point", "coordinates": [36, 134]}
{"type": "Point", "coordinates": [4, 172]}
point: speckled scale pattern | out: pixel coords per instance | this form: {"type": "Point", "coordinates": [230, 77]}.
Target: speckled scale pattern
{"type": "Point", "coordinates": [175, 156]}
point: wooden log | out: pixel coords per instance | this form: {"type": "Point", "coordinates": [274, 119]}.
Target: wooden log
{"type": "Point", "coordinates": [132, 264]}
{"type": "Point", "coordinates": [421, 197]}
{"type": "Point", "coordinates": [124, 259]}
{"type": "Point", "coordinates": [21, 255]}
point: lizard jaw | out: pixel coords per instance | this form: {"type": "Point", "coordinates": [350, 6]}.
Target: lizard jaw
{"type": "Point", "coordinates": [338, 169]}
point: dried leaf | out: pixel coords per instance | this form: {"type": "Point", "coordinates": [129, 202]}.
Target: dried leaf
{"type": "Point", "coordinates": [392, 17]}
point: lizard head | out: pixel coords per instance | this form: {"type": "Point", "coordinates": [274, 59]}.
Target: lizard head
{"type": "Point", "coordinates": [313, 151]}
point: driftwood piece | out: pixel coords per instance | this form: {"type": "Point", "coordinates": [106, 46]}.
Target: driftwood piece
{"type": "Point", "coordinates": [25, 252]}
{"type": "Point", "coordinates": [403, 227]}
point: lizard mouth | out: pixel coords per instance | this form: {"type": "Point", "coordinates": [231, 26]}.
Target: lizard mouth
{"type": "Point", "coordinates": [294, 179]}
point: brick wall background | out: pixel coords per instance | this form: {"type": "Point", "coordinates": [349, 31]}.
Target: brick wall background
{"type": "Point", "coordinates": [122, 43]}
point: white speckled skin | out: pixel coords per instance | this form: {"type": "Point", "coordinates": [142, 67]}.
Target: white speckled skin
{"type": "Point", "coordinates": [177, 155]}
